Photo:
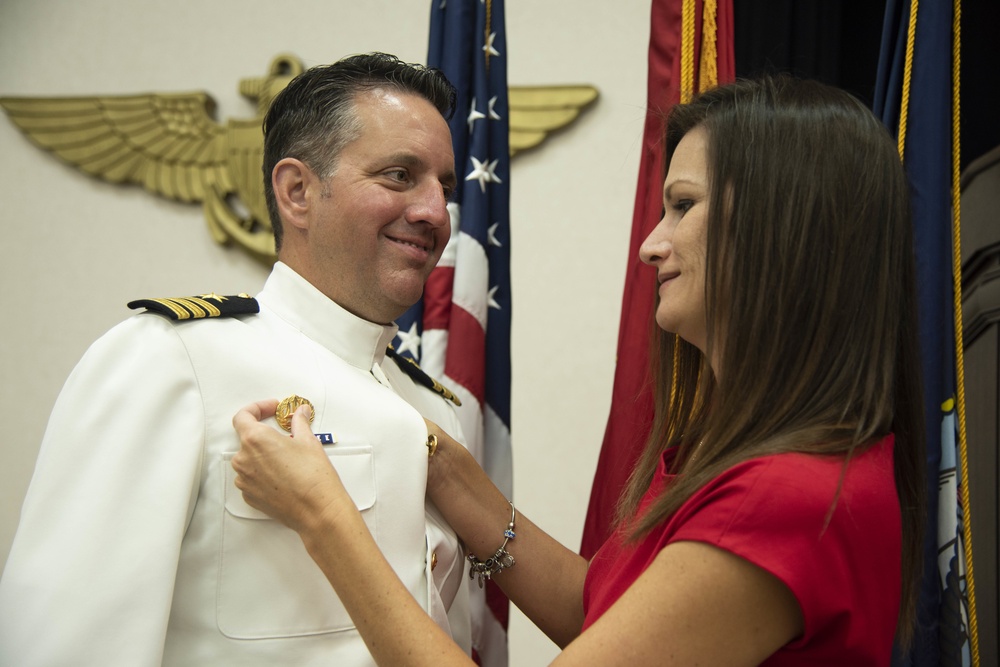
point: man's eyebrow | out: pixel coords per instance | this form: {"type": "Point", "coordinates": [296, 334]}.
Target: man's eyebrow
{"type": "Point", "coordinates": [405, 159]}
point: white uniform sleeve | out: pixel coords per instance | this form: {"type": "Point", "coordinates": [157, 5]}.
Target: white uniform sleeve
{"type": "Point", "coordinates": [90, 576]}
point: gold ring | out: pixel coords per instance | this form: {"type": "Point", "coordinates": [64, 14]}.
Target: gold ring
{"type": "Point", "coordinates": [432, 445]}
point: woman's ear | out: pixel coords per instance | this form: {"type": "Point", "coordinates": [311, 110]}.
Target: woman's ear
{"type": "Point", "coordinates": [292, 180]}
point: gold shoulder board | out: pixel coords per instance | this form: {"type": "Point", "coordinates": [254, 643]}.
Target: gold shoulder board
{"type": "Point", "coordinates": [417, 374]}
{"type": "Point", "coordinates": [198, 307]}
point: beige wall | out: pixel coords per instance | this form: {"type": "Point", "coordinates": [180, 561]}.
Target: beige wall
{"type": "Point", "coordinates": [75, 249]}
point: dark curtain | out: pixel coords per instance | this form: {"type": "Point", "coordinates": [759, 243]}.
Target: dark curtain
{"type": "Point", "coordinates": [980, 113]}
{"type": "Point", "coordinates": [834, 41]}
{"type": "Point", "coordinates": [837, 41]}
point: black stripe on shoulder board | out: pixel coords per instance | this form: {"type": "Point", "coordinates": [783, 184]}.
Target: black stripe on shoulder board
{"type": "Point", "coordinates": [198, 307]}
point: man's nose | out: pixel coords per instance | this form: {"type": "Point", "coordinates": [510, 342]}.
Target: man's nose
{"type": "Point", "coordinates": [430, 206]}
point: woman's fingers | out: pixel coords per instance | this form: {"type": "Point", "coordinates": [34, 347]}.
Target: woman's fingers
{"type": "Point", "coordinates": [301, 423]}
{"type": "Point", "coordinates": [255, 412]}
{"type": "Point", "coordinates": [288, 478]}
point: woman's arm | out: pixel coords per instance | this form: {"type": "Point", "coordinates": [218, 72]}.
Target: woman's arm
{"type": "Point", "coordinates": [696, 604]}
{"type": "Point", "coordinates": [546, 581]}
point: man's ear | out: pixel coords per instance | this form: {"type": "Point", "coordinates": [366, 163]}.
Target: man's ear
{"type": "Point", "coordinates": [293, 182]}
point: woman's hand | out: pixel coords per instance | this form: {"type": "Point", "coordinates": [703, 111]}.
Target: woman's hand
{"type": "Point", "coordinates": [288, 478]}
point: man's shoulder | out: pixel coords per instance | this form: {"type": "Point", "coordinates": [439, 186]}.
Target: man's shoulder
{"type": "Point", "coordinates": [160, 320]}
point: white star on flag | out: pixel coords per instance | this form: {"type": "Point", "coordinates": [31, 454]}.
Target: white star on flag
{"type": "Point", "coordinates": [493, 114]}
{"type": "Point", "coordinates": [491, 235]}
{"type": "Point", "coordinates": [488, 46]}
{"type": "Point", "coordinates": [475, 115]}
{"type": "Point", "coordinates": [409, 341]}
{"type": "Point", "coordinates": [483, 172]}
{"type": "Point", "coordinates": [490, 298]}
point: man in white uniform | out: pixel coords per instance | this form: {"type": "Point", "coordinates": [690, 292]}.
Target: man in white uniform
{"type": "Point", "coordinates": [135, 547]}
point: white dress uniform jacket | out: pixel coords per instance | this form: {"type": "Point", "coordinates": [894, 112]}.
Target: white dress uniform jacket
{"type": "Point", "coordinates": [135, 547]}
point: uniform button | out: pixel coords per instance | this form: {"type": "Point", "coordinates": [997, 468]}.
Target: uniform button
{"type": "Point", "coordinates": [434, 560]}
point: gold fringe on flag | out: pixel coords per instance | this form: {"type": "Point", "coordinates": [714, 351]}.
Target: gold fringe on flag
{"type": "Point", "coordinates": [708, 58]}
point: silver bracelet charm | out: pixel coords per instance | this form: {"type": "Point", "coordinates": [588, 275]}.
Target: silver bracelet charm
{"type": "Point", "coordinates": [501, 560]}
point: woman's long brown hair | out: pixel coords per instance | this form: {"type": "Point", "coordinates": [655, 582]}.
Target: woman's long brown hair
{"type": "Point", "coordinates": [810, 302]}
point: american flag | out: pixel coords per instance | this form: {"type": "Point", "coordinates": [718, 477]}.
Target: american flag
{"type": "Point", "coordinates": [460, 331]}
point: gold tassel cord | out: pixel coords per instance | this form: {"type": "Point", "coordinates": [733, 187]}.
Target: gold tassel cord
{"type": "Point", "coordinates": [687, 50]}
{"type": "Point", "coordinates": [956, 261]}
{"type": "Point", "coordinates": [486, 31]}
{"type": "Point", "coordinates": [708, 74]}
{"type": "Point", "coordinates": [904, 105]}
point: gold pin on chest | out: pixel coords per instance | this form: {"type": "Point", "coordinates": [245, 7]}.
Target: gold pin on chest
{"type": "Point", "coordinates": [288, 406]}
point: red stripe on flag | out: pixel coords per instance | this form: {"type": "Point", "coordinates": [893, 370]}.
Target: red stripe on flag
{"type": "Point", "coordinates": [437, 297]}
{"type": "Point", "coordinates": [465, 363]}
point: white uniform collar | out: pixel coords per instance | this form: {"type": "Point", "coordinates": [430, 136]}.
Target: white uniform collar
{"type": "Point", "coordinates": [296, 301]}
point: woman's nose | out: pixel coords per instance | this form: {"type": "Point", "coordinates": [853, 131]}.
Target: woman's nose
{"type": "Point", "coordinates": [656, 247]}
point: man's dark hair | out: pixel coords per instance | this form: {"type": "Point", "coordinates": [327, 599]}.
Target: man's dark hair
{"type": "Point", "coordinates": [314, 117]}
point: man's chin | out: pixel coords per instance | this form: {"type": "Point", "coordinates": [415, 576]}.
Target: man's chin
{"type": "Point", "coordinates": [404, 288]}
{"type": "Point", "coordinates": [403, 301]}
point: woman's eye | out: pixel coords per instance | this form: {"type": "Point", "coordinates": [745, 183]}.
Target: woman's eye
{"type": "Point", "coordinates": [683, 205]}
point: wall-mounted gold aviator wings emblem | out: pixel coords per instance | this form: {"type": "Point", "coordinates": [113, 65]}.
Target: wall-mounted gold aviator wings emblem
{"type": "Point", "coordinates": [172, 145]}
{"type": "Point", "coordinates": [536, 111]}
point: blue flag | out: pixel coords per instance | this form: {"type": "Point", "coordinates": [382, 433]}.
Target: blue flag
{"type": "Point", "coordinates": [924, 119]}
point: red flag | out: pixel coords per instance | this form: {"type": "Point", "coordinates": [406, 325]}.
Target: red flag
{"type": "Point", "coordinates": [690, 48]}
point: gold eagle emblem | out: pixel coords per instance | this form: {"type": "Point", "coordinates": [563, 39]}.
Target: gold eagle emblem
{"type": "Point", "coordinates": [171, 144]}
